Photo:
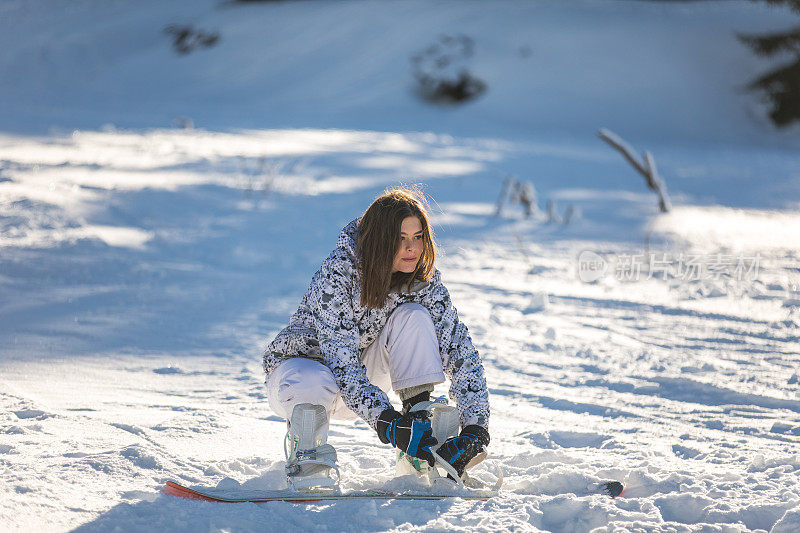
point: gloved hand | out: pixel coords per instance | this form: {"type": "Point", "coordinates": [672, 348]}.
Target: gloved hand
{"type": "Point", "coordinates": [410, 433]}
{"type": "Point", "coordinates": [459, 451]}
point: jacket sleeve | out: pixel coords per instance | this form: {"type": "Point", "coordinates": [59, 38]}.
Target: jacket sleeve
{"type": "Point", "coordinates": [460, 360]}
{"type": "Point", "coordinates": [331, 305]}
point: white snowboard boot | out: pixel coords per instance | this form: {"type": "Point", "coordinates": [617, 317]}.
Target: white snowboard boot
{"type": "Point", "coordinates": [445, 424]}
{"type": "Point", "coordinates": [310, 460]}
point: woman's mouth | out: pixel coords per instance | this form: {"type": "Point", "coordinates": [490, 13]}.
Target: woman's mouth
{"type": "Point", "coordinates": [409, 259]}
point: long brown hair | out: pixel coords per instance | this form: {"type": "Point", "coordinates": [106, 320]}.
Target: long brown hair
{"type": "Point", "coordinates": [379, 239]}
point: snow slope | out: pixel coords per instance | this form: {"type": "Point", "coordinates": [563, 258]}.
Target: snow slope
{"type": "Point", "coordinates": [667, 72]}
{"type": "Point", "coordinates": [143, 268]}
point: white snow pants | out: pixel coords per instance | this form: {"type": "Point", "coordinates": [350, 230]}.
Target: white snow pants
{"type": "Point", "coordinates": [405, 354]}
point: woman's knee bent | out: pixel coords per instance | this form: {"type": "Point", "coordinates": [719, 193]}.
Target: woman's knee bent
{"type": "Point", "coordinates": [299, 380]}
{"type": "Point", "coordinates": [412, 315]}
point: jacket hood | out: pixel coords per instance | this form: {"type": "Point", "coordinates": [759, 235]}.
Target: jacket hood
{"type": "Point", "coordinates": [348, 237]}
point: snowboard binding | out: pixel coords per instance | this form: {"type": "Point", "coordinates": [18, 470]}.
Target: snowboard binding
{"type": "Point", "coordinates": [445, 424]}
{"type": "Point", "coordinates": [310, 460]}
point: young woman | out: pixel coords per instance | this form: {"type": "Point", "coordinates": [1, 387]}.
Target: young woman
{"type": "Point", "coordinates": [377, 315]}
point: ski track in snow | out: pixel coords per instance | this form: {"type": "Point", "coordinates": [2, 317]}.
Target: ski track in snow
{"type": "Point", "coordinates": [147, 351]}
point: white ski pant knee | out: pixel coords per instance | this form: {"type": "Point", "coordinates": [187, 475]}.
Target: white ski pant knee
{"type": "Point", "coordinates": [405, 354]}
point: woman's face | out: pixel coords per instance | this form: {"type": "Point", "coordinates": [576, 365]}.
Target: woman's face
{"type": "Point", "coordinates": [407, 256]}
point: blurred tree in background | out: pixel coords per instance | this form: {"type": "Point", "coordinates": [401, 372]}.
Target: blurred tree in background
{"type": "Point", "coordinates": [782, 84]}
{"type": "Point", "coordinates": [442, 71]}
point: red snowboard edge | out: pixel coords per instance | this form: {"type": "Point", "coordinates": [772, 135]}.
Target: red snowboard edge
{"type": "Point", "coordinates": [173, 489]}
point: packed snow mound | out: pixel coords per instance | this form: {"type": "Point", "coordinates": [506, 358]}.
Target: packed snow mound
{"type": "Point", "coordinates": [788, 523]}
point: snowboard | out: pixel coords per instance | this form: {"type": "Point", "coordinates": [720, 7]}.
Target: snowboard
{"type": "Point", "coordinates": [608, 488]}
{"type": "Point", "coordinates": [285, 495]}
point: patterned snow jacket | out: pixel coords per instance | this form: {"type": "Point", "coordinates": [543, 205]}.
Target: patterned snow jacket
{"type": "Point", "coordinates": [331, 326]}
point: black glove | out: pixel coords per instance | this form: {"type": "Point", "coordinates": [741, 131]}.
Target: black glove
{"type": "Point", "coordinates": [459, 451]}
{"type": "Point", "coordinates": [410, 433]}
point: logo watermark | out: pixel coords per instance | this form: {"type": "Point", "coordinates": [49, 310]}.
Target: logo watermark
{"type": "Point", "coordinates": [632, 267]}
{"type": "Point", "coordinates": [591, 266]}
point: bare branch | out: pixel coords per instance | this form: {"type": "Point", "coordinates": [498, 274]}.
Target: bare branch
{"type": "Point", "coordinates": [646, 167]}
{"type": "Point", "coordinates": [656, 183]}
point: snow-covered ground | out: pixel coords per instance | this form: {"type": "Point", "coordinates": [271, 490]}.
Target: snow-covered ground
{"type": "Point", "coordinates": [143, 268]}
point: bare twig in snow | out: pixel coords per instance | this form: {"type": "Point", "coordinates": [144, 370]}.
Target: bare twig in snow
{"type": "Point", "coordinates": [503, 193]}
{"type": "Point", "coordinates": [525, 194]}
{"type": "Point", "coordinates": [570, 213]}
{"type": "Point", "coordinates": [656, 183]}
{"type": "Point", "coordinates": [646, 167]}
{"type": "Point", "coordinates": [552, 216]}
